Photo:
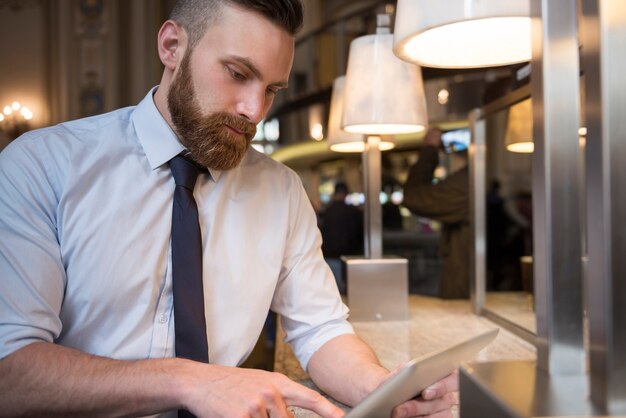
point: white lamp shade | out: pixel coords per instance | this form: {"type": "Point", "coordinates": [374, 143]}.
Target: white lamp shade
{"type": "Point", "coordinates": [519, 129]}
{"type": "Point", "coordinates": [383, 94]}
{"type": "Point", "coordinates": [463, 33]}
{"type": "Point", "coordinates": [338, 139]}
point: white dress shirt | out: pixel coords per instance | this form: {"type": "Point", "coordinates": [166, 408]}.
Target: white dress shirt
{"type": "Point", "coordinates": [85, 257]}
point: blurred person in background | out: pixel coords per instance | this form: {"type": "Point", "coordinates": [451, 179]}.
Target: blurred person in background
{"type": "Point", "coordinates": [446, 201]}
{"type": "Point", "coordinates": [342, 231]}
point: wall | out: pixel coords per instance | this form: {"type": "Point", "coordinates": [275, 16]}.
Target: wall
{"type": "Point", "coordinates": [69, 58]}
{"type": "Point", "coordinates": [25, 59]}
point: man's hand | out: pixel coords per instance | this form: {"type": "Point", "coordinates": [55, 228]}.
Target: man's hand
{"type": "Point", "coordinates": [220, 391]}
{"type": "Point", "coordinates": [347, 369]}
{"type": "Point", "coordinates": [436, 401]}
{"type": "Point", "coordinates": [80, 384]}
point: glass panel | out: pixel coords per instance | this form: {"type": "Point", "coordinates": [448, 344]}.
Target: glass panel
{"type": "Point", "coordinates": [509, 282]}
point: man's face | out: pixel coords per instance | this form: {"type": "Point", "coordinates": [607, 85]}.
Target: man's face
{"type": "Point", "coordinates": [210, 143]}
{"type": "Point", "coordinates": [226, 84]}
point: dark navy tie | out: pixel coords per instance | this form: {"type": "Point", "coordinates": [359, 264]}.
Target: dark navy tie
{"type": "Point", "coordinates": [189, 321]}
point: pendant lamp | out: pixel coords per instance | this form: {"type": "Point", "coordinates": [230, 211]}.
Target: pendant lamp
{"type": "Point", "coordinates": [519, 130]}
{"type": "Point", "coordinates": [338, 139]}
{"type": "Point", "coordinates": [383, 94]}
{"type": "Point", "coordinates": [463, 33]}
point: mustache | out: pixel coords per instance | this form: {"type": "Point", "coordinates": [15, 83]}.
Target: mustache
{"type": "Point", "coordinates": [238, 122]}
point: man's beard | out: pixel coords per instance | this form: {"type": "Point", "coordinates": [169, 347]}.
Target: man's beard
{"type": "Point", "coordinates": [210, 143]}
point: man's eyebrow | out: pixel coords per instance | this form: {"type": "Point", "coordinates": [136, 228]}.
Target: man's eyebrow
{"type": "Point", "coordinates": [254, 70]}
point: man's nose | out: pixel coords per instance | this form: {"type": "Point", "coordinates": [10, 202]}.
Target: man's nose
{"type": "Point", "coordinates": [252, 106]}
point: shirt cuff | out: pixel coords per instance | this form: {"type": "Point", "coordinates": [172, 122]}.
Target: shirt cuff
{"type": "Point", "coordinates": [306, 345]}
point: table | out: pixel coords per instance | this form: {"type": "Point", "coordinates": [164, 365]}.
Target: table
{"type": "Point", "coordinates": [433, 324]}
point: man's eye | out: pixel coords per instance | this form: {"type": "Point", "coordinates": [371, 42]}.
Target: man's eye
{"type": "Point", "coordinates": [236, 75]}
{"type": "Point", "coordinates": [271, 92]}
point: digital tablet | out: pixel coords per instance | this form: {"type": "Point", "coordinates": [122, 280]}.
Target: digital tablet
{"type": "Point", "coordinates": [417, 375]}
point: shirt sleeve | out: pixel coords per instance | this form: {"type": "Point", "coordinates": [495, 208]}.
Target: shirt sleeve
{"type": "Point", "coordinates": [32, 276]}
{"type": "Point", "coordinates": [307, 298]}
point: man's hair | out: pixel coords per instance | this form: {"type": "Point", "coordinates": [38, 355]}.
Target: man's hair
{"type": "Point", "coordinates": [341, 187]}
{"type": "Point", "coordinates": [195, 16]}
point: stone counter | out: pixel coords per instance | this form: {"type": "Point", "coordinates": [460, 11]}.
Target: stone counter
{"type": "Point", "coordinates": [433, 324]}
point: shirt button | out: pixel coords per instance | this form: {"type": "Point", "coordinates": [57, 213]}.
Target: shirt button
{"type": "Point", "coordinates": [163, 319]}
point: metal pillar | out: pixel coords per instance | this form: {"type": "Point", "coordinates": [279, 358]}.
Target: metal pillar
{"type": "Point", "coordinates": [378, 288]}
{"type": "Point", "coordinates": [373, 232]}
{"type": "Point", "coordinates": [478, 181]}
{"type": "Point", "coordinates": [556, 166]}
{"type": "Point", "coordinates": [604, 35]}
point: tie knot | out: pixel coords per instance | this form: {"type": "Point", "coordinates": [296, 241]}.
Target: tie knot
{"type": "Point", "coordinates": [185, 172]}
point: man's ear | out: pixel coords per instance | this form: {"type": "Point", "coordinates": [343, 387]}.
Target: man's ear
{"type": "Point", "coordinates": [171, 41]}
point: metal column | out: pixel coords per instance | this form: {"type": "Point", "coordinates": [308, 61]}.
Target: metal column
{"type": "Point", "coordinates": [378, 288]}
{"type": "Point", "coordinates": [478, 181]}
{"type": "Point", "coordinates": [556, 167]}
{"type": "Point", "coordinates": [373, 211]}
{"type": "Point", "coordinates": [604, 39]}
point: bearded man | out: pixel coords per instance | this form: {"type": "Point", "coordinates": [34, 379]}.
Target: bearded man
{"type": "Point", "coordinates": [88, 318]}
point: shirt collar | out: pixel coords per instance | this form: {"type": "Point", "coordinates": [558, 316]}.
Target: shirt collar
{"type": "Point", "coordinates": [157, 138]}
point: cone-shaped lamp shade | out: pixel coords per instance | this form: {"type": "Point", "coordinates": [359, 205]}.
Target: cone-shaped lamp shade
{"type": "Point", "coordinates": [383, 94]}
{"type": "Point", "coordinates": [338, 139]}
{"type": "Point", "coordinates": [519, 129]}
{"type": "Point", "coordinates": [463, 33]}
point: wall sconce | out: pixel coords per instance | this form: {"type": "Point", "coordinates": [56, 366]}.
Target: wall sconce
{"type": "Point", "coordinates": [14, 119]}
{"type": "Point", "coordinates": [463, 33]}
{"type": "Point", "coordinates": [519, 128]}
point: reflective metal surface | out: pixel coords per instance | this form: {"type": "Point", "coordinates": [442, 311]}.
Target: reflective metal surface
{"type": "Point", "coordinates": [373, 219]}
{"type": "Point", "coordinates": [556, 215]}
{"type": "Point", "coordinates": [603, 26]}
{"type": "Point", "coordinates": [477, 168]}
{"type": "Point", "coordinates": [483, 158]}
{"type": "Point", "coordinates": [520, 389]}
{"type": "Point", "coordinates": [378, 289]}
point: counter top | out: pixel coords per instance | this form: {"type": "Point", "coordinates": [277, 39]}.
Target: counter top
{"type": "Point", "coordinates": [433, 324]}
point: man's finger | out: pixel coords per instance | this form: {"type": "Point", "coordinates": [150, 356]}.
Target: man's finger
{"type": "Point", "coordinates": [298, 395]}
{"type": "Point", "coordinates": [449, 383]}
{"type": "Point", "coordinates": [443, 414]}
{"type": "Point", "coordinates": [420, 407]}
{"type": "Point", "coordinates": [276, 406]}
